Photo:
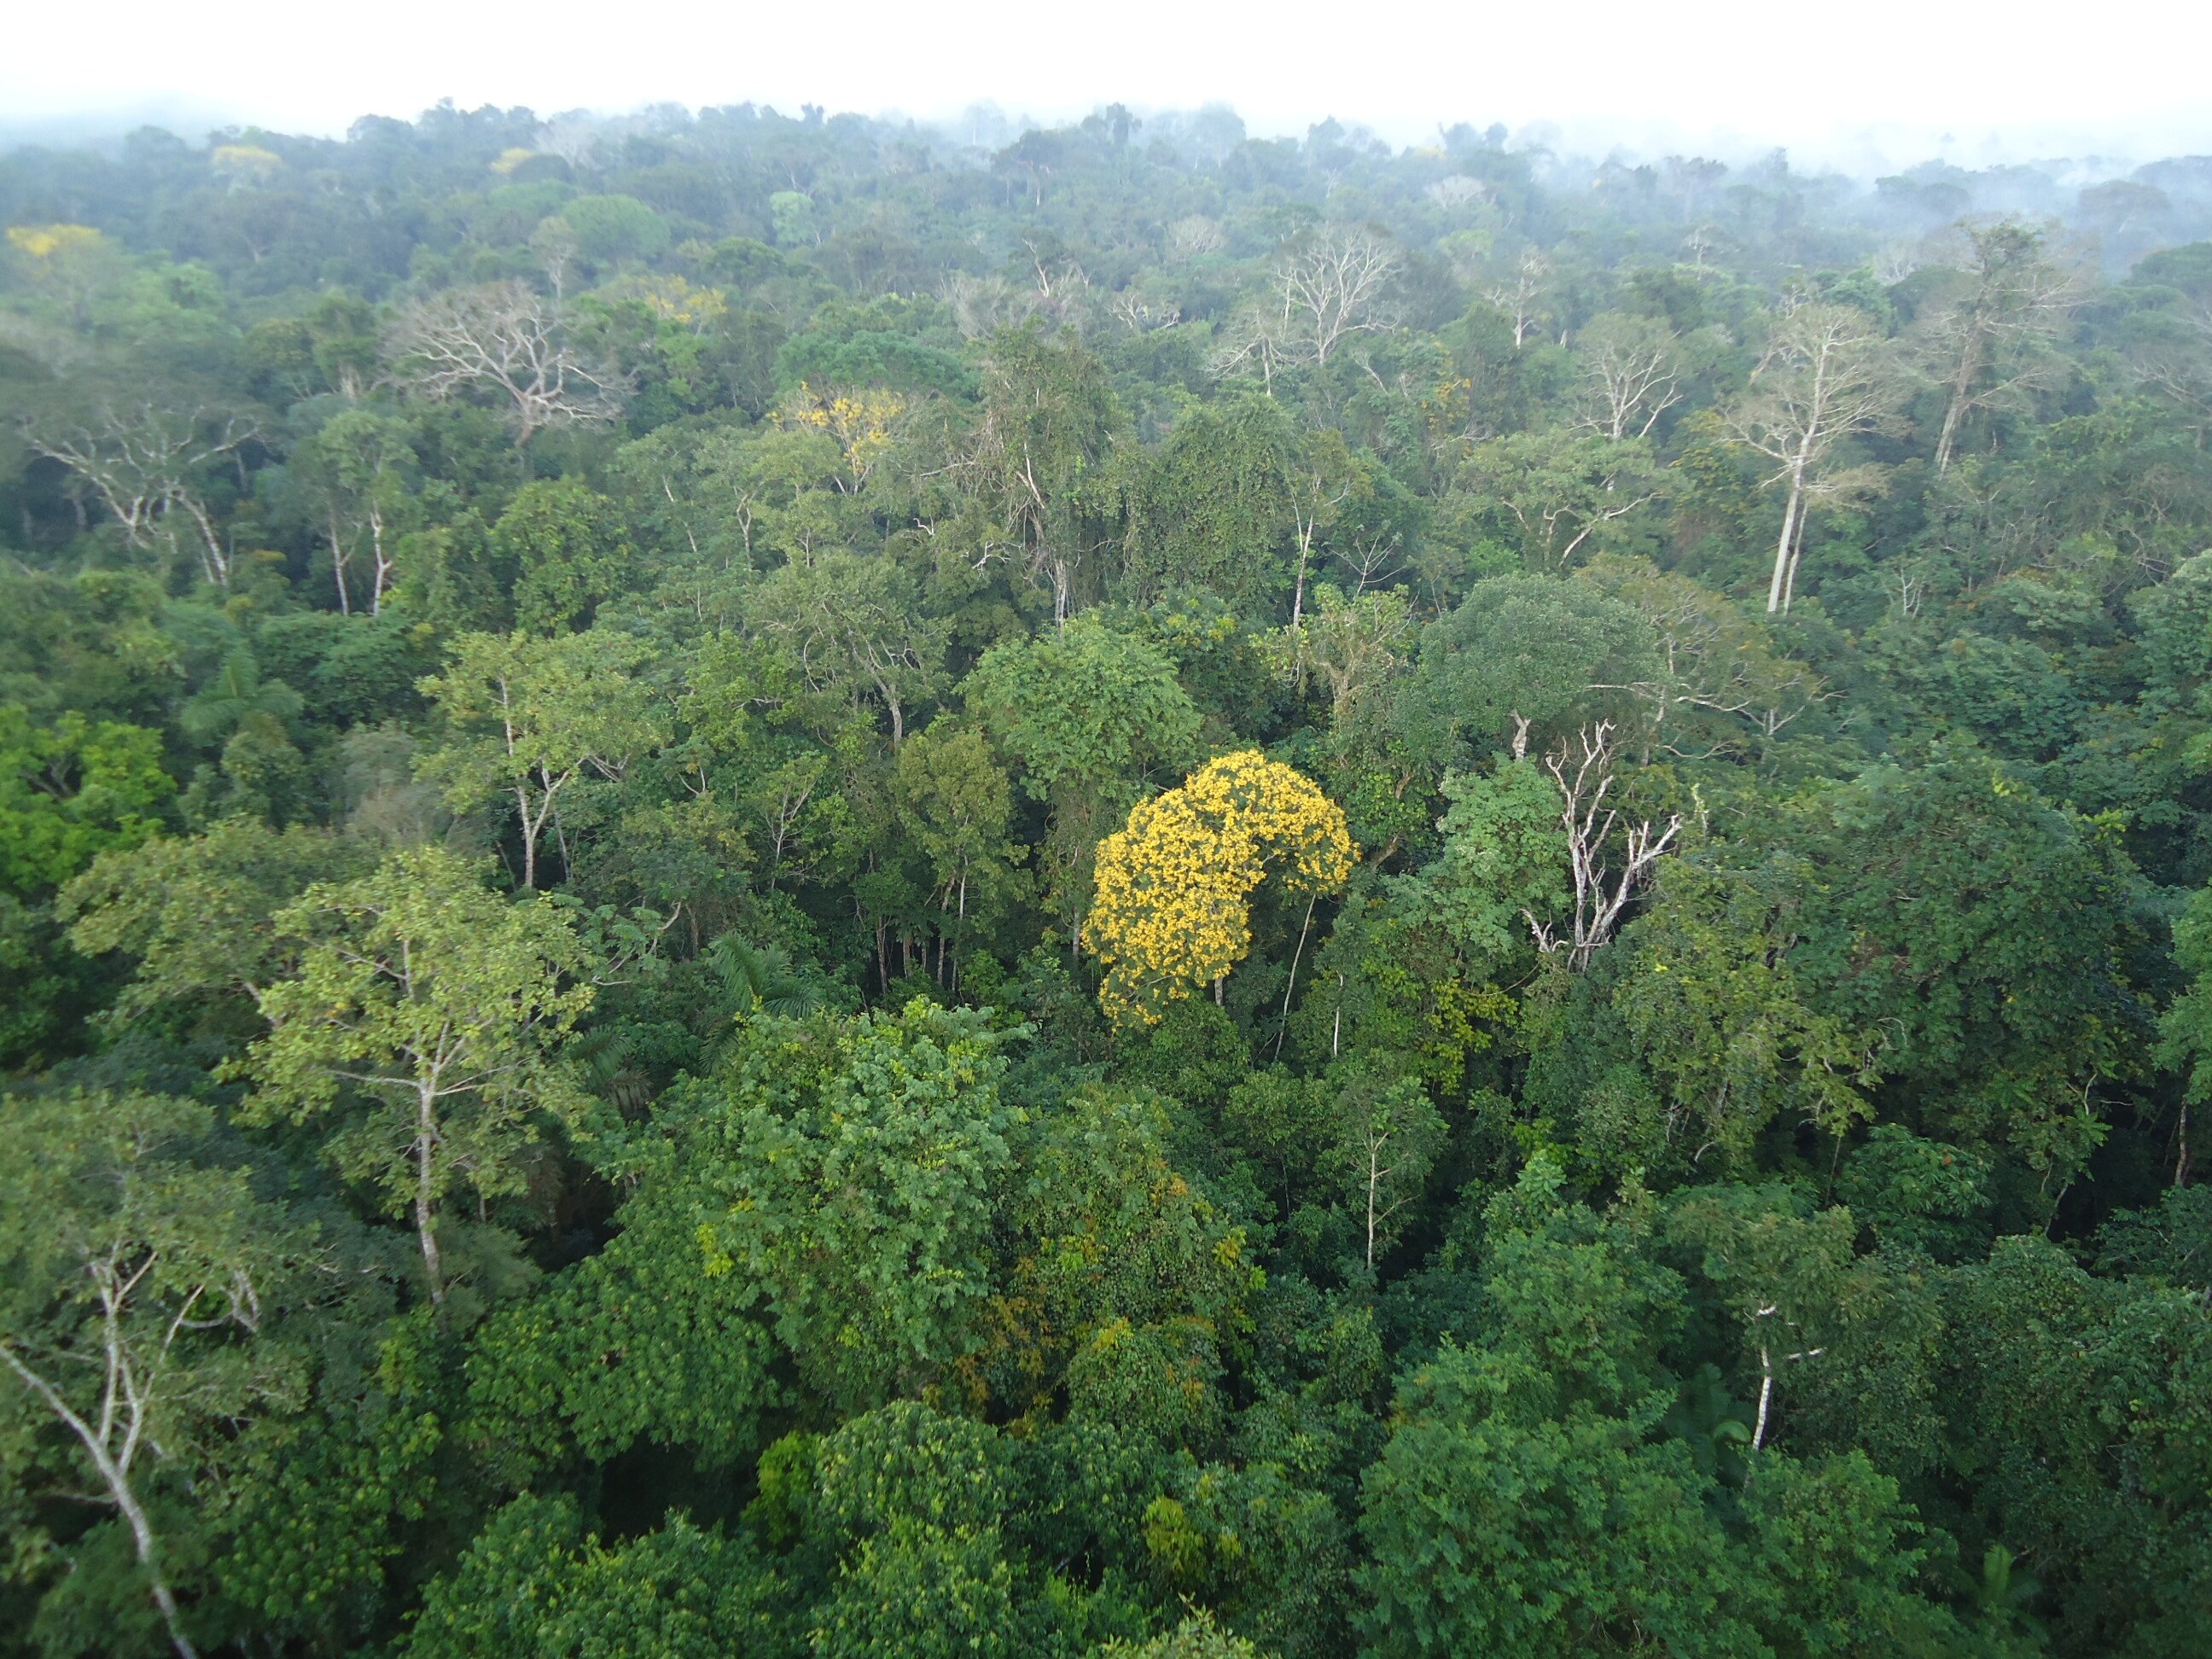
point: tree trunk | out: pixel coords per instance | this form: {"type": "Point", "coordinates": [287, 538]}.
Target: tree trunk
{"type": "Point", "coordinates": [338, 569]}
{"type": "Point", "coordinates": [217, 560]}
{"type": "Point", "coordinates": [1781, 547]}
{"type": "Point", "coordinates": [1954, 414]}
{"type": "Point", "coordinates": [1949, 435]}
{"type": "Point", "coordinates": [118, 1481]}
{"type": "Point", "coordinates": [1373, 1180]}
{"type": "Point", "coordinates": [383, 564]}
{"type": "Point", "coordinates": [1797, 553]}
{"type": "Point", "coordinates": [960, 938]}
{"type": "Point", "coordinates": [142, 1535]}
{"type": "Point", "coordinates": [426, 1141]}
{"type": "Point", "coordinates": [529, 841]}
{"type": "Point", "coordinates": [1284, 1030]}
{"type": "Point", "coordinates": [1765, 1396]}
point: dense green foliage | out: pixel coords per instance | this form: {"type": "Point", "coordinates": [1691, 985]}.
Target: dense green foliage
{"type": "Point", "coordinates": [561, 690]}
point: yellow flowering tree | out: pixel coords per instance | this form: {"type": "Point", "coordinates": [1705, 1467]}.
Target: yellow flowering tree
{"type": "Point", "coordinates": [1174, 888]}
{"type": "Point", "coordinates": [66, 263]}
{"type": "Point", "coordinates": [45, 241]}
{"type": "Point", "coordinates": [670, 299]}
{"type": "Point", "coordinates": [860, 421]}
{"type": "Point", "coordinates": [245, 165]}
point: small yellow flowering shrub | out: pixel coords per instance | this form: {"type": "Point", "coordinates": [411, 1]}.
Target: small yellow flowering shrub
{"type": "Point", "coordinates": [1173, 904]}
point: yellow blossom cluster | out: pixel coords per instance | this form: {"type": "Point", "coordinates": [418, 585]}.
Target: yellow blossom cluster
{"type": "Point", "coordinates": [245, 163]}
{"type": "Point", "coordinates": [1173, 904]}
{"type": "Point", "coordinates": [860, 421]}
{"type": "Point", "coordinates": [44, 241]}
{"type": "Point", "coordinates": [672, 300]}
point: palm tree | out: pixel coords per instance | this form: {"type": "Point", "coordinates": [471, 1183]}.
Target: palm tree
{"type": "Point", "coordinates": [234, 695]}
{"type": "Point", "coordinates": [604, 1059]}
{"type": "Point", "coordinates": [2003, 1594]}
{"type": "Point", "coordinates": [753, 980]}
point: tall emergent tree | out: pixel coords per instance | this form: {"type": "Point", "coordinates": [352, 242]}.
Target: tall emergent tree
{"type": "Point", "coordinates": [1989, 340]}
{"type": "Point", "coordinates": [507, 341]}
{"type": "Point", "coordinates": [1828, 375]}
{"type": "Point", "coordinates": [427, 1017]}
{"type": "Point", "coordinates": [1174, 886]}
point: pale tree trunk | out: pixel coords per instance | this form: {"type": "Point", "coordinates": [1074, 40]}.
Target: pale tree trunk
{"type": "Point", "coordinates": [1796, 554]}
{"type": "Point", "coordinates": [383, 564]}
{"type": "Point", "coordinates": [529, 839]}
{"type": "Point", "coordinates": [1374, 1182]}
{"type": "Point", "coordinates": [426, 1219]}
{"type": "Point", "coordinates": [1298, 596]}
{"type": "Point", "coordinates": [1962, 388]}
{"type": "Point", "coordinates": [142, 1535]}
{"type": "Point", "coordinates": [117, 1477]}
{"type": "Point", "coordinates": [1767, 1377]}
{"type": "Point", "coordinates": [533, 823]}
{"type": "Point", "coordinates": [960, 937]}
{"type": "Point", "coordinates": [1776, 588]}
{"type": "Point", "coordinates": [1284, 1029]}
{"type": "Point", "coordinates": [1063, 588]}
{"type": "Point", "coordinates": [338, 562]}
{"type": "Point", "coordinates": [214, 562]}
{"type": "Point", "coordinates": [1949, 436]}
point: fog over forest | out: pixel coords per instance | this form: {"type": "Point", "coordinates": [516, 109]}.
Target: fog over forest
{"type": "Point", "coordinates": [783, 883]}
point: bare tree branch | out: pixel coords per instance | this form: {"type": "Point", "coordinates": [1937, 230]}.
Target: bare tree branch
{"type": "Point", "coordinates": [139, 458]}
{"type": "Point", "coordinates": [1601, 893]}
{"type": "Point", "coordinates": [1827, 375]}
{"type": "Point", "coordinates": [503, 337]}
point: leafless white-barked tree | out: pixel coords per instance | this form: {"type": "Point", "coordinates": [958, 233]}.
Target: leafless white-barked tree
{"type": "Point", "coordinates": [1321, 290]}
{"type": "Point", "coordinates": [507, 338]}
{"type": "Point", "coordinates": [1597, 833]}
{"type": "Point", "coordinates": [143, 460]}
{"type": "Point", "coordinates": [1828, 375]}
{"type": "Point", "coordinates": [1631, 372]}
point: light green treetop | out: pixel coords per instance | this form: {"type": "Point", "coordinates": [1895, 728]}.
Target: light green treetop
{"type": "Point", "coordinates": [439, 1009]}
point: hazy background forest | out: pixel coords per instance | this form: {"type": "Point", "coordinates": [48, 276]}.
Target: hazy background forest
{"type": "Point", "coordinates": [803, 886]}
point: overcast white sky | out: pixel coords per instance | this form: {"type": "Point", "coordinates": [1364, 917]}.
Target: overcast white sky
{"type": "Point", "coordinates": [1848, 81]}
